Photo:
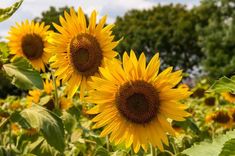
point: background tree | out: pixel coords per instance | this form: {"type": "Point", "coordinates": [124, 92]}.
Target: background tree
{"type": "Point", "coordinates": [52, 15]}
{"type": "Point", "coordinates": [217, 38]}
{"type": "Point", "coordinates": [169, 29]}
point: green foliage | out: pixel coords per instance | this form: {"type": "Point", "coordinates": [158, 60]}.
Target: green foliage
{"type": "Point", "coordinates": [211, 148]}
{"type": "Point", "coordinates": [47, 122]}
{"type": "Point", "coordinates": [217, 36]}
{"type": "Point", "coordinates": [224, 84]}
{"type": "Point", "coordinates": [52, 16]}
{"type": "Point", "coordinates": [9, 11]}
{"type": "Point", "coordinates": [23, 75]}
{"type": "Point", "coordinates": [168, 29]}
{"type": "Point", "coordinates": [228, 148]}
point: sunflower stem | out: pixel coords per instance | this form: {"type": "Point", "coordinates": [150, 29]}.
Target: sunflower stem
{"type": "Point", "coordinates": [153, 151]}
{"type": "Point", "coordinates": [174, 147]}
{"type": "Point", "coordinates": [56, 93]}
{"type": "Point", "coordinates": [10, 135]}
{"type": "Point", "coordinates": [107, 143]}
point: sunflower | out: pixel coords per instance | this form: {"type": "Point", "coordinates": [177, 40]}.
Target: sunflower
{"type": "Point", "coordinates": [210, 101]}
{"type": "Point", "coordinates": [48, 86]}
{"type": "Point", "coordinates": [134, 102]}
{"type": "Point", "coordinates": [65, 103]}
{"type": "Point", "coordinates": [33, 97]}
{"type": "Point", "coordinates": [28, 39]}
{"type": "Point", "coordinates": [198, 93]}
{"type": "Point", "coordinates": [221, 117]}
{"type": "Point", "coordinates": [228, 96]}
{"type": "Point", "coordinates": [80, 50]}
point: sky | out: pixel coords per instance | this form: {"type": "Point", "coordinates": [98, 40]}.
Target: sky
{"type": "Point", "coordinates": [113, 8]}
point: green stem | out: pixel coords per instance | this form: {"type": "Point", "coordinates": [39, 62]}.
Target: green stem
{"type": "Point", "coordinates": [56, 93]}
{"type": "Point", "coordinates": [4, 123]}
{"type": "Point", "coordinates": [10, 136]}
{"type": "Point", "coordinates": [107, 143]}
{"type": "Point", "coordinates": [153, 151]}
{"type": "Point", "coordinates": [174, 147]}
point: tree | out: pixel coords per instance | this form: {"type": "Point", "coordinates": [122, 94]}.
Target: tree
{"type": "Point", "coordinates": [52, 16]}
{"type": "Point", "coordinates": [169, 29]}
{"type": "Point", "coordinates": [217, 38]}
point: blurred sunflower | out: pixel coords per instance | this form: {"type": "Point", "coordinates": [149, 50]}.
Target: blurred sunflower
{"type": "Point", "coordinates": [134, 102]}
{"type": "Point", "coordinates": [33, 97]}
{"type": "Point", "coordinates": [80, 50]}
{"type": "Point", "coordinates": [65, 103]}
{"type": "Point", "coordinates": [221, 117]}
{"type": "Point", "coordinates": [232, 113]}
{"type": "Point", "coordinates": [210, 101]}
{"type": "Point", "coordinates": [28, 39]}
{"type": "Point", "coordinates": [228, 96]}
{"type": "Point", "coordinates": [48, 86]}
{"type": "Point", "coordinates": [199, 92]}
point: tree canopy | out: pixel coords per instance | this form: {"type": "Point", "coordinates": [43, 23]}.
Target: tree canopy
{"type": "Point", "coordinates": [169, 30]}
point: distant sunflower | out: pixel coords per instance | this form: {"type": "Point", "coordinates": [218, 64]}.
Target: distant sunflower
{"type": "Point", "coordinates": [48, 86]}
{"type": "Point", "coordinates": [33, 97]}
{"type": "Point", "coordinates": [134, 102]}
{"type": "Point", "coordinates": [221, 117]}
{"type": "Point", "coordinates": [80, 50]}
{"type": "Point", "coordinates": [210, 101]}
{"type": "Point", "coordinates": [228, 96]}
{"type": "Point", "coordinates": [28, 39]}
{"type": "Point", "coordinates": [65, 103]}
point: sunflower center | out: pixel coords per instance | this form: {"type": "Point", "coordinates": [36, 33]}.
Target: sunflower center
{"type": "Point", "coordinates": [222, 117]}
{"type": "Point", "coordinates": [85, 54]}
{"type": "Point", "coordinates": [137, 101]}
{"type": "Point", "coordinates": [32, 46]}
{"type": "Point", "coordinates": [210, 101]}
{"type": "Point", "coordinates": [232, 94]}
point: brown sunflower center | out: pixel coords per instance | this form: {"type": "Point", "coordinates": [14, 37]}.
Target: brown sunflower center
{"type": "Point", "coordinates": [138, 101]}
{"type": "Point", "coordinates": [221, 117]}
{"type": "Point", "coordinates": [233, 116]}
{"type": "Point", "coordinates": [32, 46]}
{"type": "Point", "coordinates": [210, 101]}
{"type": "Point", "coordinates": [85, 54]}
{"type": "Point", "coordinates": [232, 94]}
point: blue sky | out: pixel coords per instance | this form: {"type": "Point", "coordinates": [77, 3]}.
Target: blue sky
{"type": "Point", "coordinates": [113, 8]}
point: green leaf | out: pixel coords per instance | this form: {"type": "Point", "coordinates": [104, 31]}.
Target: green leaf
{"type": "Point", "coordinates": [209, 148]}
{"type": "Point", "coordinates": [9, 11]}
{"type": "Point", "coordinates": [41, 147]}
{"type": "Point", "coordinates": [228, 148]}
{"type": "Point", "coordinates": [23, 75]}
{"type": "Point", "coordinates": [101, 151]}
{"type": "Point", "coordinates": [224, 84]}
{"type": "Point", "coordinates": [48, 123]}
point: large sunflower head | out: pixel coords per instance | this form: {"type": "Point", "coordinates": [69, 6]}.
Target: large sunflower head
{"type": "Point", "coordinates": [133, 102]}
{"type": "Point", "coordinates": [80, 49]}
{"type": "Point", "coordinates": [28, 39]}
{"type": "Point", "coordinates": [229, 96]}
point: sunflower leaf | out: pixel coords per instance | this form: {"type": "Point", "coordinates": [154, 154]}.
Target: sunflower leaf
{"type": "Point", "coordinates": [228, 148]}
{"type": "Point", "coordinates": [224, 84]}
{"type": "Point", "coordinates": [23, 75]}
{"type": "Point", "coordinates": [48, 123]}
{"type": "Point", "coordinates": [9, 11]}
{"type": "Point", "coordinates": [211, 148]}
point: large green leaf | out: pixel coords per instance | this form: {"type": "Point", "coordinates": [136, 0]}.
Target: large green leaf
{"type": "Point", "coordinates": [209, 148]}
{"type": "Point", "coordinates": [9, 11]}
{"type": "Point", "coordinates": [23, 75]}
{"type": "Point", "coordinates": [47, 122]}
{"type": "Point", "coordinates": [224, 84]}
{"type": "Point", "coordinates": [228, 148]}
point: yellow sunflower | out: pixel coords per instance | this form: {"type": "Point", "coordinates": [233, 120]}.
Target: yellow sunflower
{"type": "Point", "coordinates": [228, 96]}
{"type": "Point", "coordinates": [221, 117]}
{"type": "Point", "coordinates": [80, 50]}
{"type": "Point", "coordinates": [48, 86]}
{"type": "Point", "coordinates": [65, 103]}
{"type": "Point", "coordinates": [28, 39]}
{"type": "Point", "coordinates": [33, 97]}
{"type": "Point", "coordinates": [133, 103]}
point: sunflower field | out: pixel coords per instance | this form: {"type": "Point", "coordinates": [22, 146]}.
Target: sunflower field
{"type": "Point", "coordinates": [77, 85]}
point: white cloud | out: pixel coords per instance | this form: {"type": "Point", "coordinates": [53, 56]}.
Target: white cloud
{"type": "Point", "coordinates": [113, 8]}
